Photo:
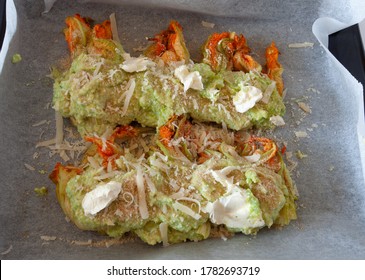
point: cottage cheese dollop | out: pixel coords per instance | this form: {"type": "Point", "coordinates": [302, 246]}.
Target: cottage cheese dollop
{"type": "Point", "coordinates": [101, 197]}
{"type": "Point", "coordinates": [246, 98]}
{"type": "Point", "coordinates": [236, 210]}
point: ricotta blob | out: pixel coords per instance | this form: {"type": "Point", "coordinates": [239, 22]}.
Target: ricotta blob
{"type": "Point", "coordinates": [101, 197]}
{"type": "Point", "coordinates": [246, 98]}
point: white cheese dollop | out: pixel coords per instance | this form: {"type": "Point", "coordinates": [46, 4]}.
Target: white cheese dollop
{"type": "Point", "coordinates": [189, 79]}
{"type": "Point", "coordinates": [246, 98]}
{"type": "Point", "coordinates": [135, 64]}
{"type": "Point", "coordinates": [101, 197]}
{"type": "Point", "coordinates": [235, 210]}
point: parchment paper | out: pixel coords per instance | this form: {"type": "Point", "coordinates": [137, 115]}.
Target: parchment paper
{"type": "Point", "coordinates": [331, 213]}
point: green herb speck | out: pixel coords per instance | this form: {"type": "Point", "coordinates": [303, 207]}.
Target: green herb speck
{"type": "Point", "coordinates": [16, 58]}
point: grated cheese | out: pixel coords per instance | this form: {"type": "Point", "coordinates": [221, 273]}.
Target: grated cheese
{"type": "Point", "coordinates": [130, 200]}
{"type": "Point", "coordinates": [301, 45]}
{"type": "Point", "coordinates": [109, 168]}
{"type": "Point", "coordinates": [268, 92]}
{"type": "Point", "coordinates": [301, 134]}
{"type": "Point", "coordinates": [163, 228]}
{"type": "Point", "coordinates": [82, 243]}
{"type": "Point", "coordinates": [150, 184]}
{"type": "Point", "coordinates": [29, 167]}
{"type": "Point", "coordinates": [221, 107]}
{"type": "Point", "coordinates": [197, 202]}
{"type": "Point", "coordinates": [223, 237]}
{"type": "Point", "coordinates": [140, 49]}
{"type": "Point", "coordinates": [304, 107]}
{"type": "Point", "coordinates": [161, 156]}
{"type": "Point", "coordinates": [220, 176]}
{"type": "Point", "coordinates": [159, 165]}
{"type": "Point", "coordinates": [179, 194]}
{"type": "Point", "coordinates": [113, 25]}
{"type": "Point", "coordinates": [7, 251]}
{"type": "Point", "coordinates": [78, 146]}
{"type": "Point", "coordinates": [133, 146]}
{"type": "Point", "coordinates": [224, 126]}
{"type": "Point", "coordinates": [195, 103]}
{"type": "Point", "coordinates": [181, 156]}
{"type": "Point", "coordinates": [46, 143]}
{"type": "Point", "coordinates": [144, 145]}
{"type": "Point", "coordinates": [112, 72]}
{"type": "Point", "coordinates": [59, 128]}
{"type": "Point", "coordinates": [40, 123]}
{"type": "Point", "coordinates": [226, 170]}
{"type": "Point", "coordinates": [277, 120]}
{"type": "Point", "coordinates": [118, 213]}
{"type": "Point", "coordinates": [176, 142]}
{"type": "Point", "coordinates": [127, 95]}
{"type": "Point", "coordinates": [105, 136]}
{"type": "Point", "coordinates": [174, 185]}
{"type": "Point", "coordinates": [93, 162]}
{"type": "Point", "coordinates": [164, 209]}
{"type": "Point", "coordinates": [142, 203]}
{"type": "Point", "coordinates": [97, 69]}
{"type": "Point", "coordinates": [64, 156]}
{"type": "Point", "coordinates": [207, 24]}
{"type": "Point", "coordinates": [107, 175]}
{"type": "Point", "coordinates": [48, 238]}
{"type": "Point", "coordinates": [186, 210]}
{"type": "Point", "coordinates": [253, 158]}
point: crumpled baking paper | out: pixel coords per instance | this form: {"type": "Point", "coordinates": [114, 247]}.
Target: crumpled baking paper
{"type": "Point", "coordinates": [322, 28]}
{"type": "Point", "coordinates": [11, 20]}
{"type": "Point", "coordinates": [330, 180]}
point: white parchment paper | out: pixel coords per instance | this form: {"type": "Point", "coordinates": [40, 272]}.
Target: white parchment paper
{"type": "Point", "coordinates": [322, 28]}
{"type": "Point", "coordinates": [11, 20]}
{"type": "Point", "coordinates": [331, 207]}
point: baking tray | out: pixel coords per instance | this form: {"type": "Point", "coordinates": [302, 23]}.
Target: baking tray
{"type": "Point", "coordinates": [331, 206]}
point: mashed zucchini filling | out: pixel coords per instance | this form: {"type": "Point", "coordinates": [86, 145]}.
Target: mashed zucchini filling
{"type": "Point", "coordinates": [186, 182]}
{"type": "Point", "coordinates": [191, 179]}
{"type": "Point", "coordinates": [104, 86]}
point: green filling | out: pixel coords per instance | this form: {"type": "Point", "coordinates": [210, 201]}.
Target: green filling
{"type": "Point", "coordinates": [269, 196]}
{"type": "Point", "coordinates": [94, 88]}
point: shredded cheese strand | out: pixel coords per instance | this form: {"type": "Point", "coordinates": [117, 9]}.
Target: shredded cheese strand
{"type": "Point", "coordinates": [59, 128]}
{"type": "Point", "coordinates": [113, 25]}
{"type": "Point", "coordinates": [128, 95]}
{"type": "Point", "coordinates": [107, 175]}
{"type": "Point", "coordinates": [46, 143]}
{"type": "Point", "coordinates": [93, 162]}
{"type": "Point", "coordinates": [39, 123]}
{"type": "Point", "coordinates": [186, 210]}
{"type": "Point", "coordinates": [150, 184]}
{"type": "Point", "coordinates": [174, 185]}
{"type": "Point", "coordinates": [197, 202]}
{"type": "Point", "coordinates": [142, 203]}
{"type": "Point", "coordinates": [163, 228]}
{"type": "Point", "coordinates": [130, 200]}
